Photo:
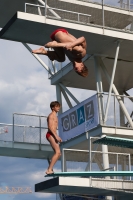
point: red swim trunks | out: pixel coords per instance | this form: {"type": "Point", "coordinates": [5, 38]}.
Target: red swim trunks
{"type": "Point", "coordinates": [48, 135]}
{"type": "Point", "coordinates": [52, 36]}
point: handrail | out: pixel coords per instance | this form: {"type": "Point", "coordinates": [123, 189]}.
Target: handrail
{"type": "Point", "coordinates": [57, 10]}
{"type": "Point", "coordinates": [69, 11]}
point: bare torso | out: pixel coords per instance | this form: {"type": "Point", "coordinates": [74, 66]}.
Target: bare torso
{"type": "Point", "coordinates": [77, 52]}
{"type": "Point", "coordinates": [52, 122]}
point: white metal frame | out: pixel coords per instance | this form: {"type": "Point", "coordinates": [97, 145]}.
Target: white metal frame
{"type": "Point", "coordinates": [125, 112]}
{"type": "Point", "coordinates": [64, 168]}
{"type": "Point", "coordinates": [99, 89]}
{"type": "Point", "coordinates": [112, 80]}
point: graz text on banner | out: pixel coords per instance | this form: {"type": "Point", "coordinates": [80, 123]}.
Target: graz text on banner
{"type": "Point", "coordinates": [79, 119]}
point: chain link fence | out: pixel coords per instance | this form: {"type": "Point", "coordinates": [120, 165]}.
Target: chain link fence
{"type": "Point", "coordinates": [29, 128]}
{"type": "Point", "coordinates": [95, 12]}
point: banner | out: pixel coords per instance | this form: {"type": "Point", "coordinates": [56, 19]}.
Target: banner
{"type": "Point", "coordinates": [79, 119]}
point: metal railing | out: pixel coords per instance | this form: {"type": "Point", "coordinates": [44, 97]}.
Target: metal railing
{"type": "Point", "coordinates": [33, 5]}
{"type": "Point", "coordinates": [78, 14]}
{"type": "Point", "coordinates": [86, 13]}
{"type": "Point", "coordinates": [25, 128]}
{"type": "Point", "coordinates": [84, 160]}
{"type": "Point", "coordinates": [29, 128]}
{"type": "Point", "coordinates": [6, 133]}
{"type": "Point", "coordinates": [46, 9]}
{"type": "Point", "coordinates": [116, 117]}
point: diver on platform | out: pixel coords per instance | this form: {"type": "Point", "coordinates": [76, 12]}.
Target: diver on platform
{"type": "Point", "coordinates": [52, 135]}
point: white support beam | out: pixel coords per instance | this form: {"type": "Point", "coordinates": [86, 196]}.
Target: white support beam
{"type": "Point", "coordinates": [50, 10]}
{"type": "Point", "coordinates": [63, 161]}
{"type": "Point", "coordinates": [59, 98]}
{"type": "Point", "coordinates": [105, 157]}
{"type": "Point", "coordinates": [122, 116]}
{"type": "Point", "coordinates": [37, 57]}
{"type": "Point", "coordinates": [111, 82]}
{"type": "Point", "coordinates": [69, 93]}
{"type": "Point", "coordinates": [99, 89]}
{"type": "Point", "coordinates": [39, 9]}
{"type": "Point", "coordinates": [106, 162]}
{"type": "Point", "coordinates": [117, 94]}
{"type": "Point", "coordinates": [53, 65]}
{"type": "Point", "coordinates": [66, 98]}
{"type": "Point", "coordinates": [90, 156]}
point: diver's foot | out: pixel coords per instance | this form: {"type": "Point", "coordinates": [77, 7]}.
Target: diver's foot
{"type": "Point", "coordinates": [49, 172]}
{"type": "Point", "coordinates": [41, 50]}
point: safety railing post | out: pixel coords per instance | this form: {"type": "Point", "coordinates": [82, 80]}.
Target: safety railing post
{"type": "Point", "coordinates": [114, 111]}
{"type": "Point", "coordinates": [24, 134]}
{"type": "Point", "coordinates": [129, 157]}
{"type": "Point", "coordinates": [103, 15]}
{"type": "Point", "coordinates": [116, 162]}
{"type": "Point", "coordinates": [25, 8]}
{"type": "Point", "coordinates": [13, 129]}
{"type": "Point", "coordinates": [62, 161]}
{"type": "Point", "coordinates": [40, 131]}
{"type": "Point", "coordinates": [129, 5]}
{"type": "Point", "coordinates": [45, 8]}
{"type": "Point", "coordinates": [89, 153]}
{"type": "Point", "coordinates": [78, 17]}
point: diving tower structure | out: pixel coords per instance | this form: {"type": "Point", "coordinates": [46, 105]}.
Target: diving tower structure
{"type": "Point", "coordinates": [108, 30]}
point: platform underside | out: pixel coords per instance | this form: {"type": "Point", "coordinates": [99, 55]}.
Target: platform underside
{"type": "Point", "coordinates": [34, 29]}
{"type": "Point", "coordinates": [123, 76]}
{"type": "Point", "coordinates": [81, 142]}
{"type": "Point", "coordinates": [115, 141]}
{"type": "Point", "coordinates": [83, 186]}
{"type": "Point", "coordinates": [25, 150]}
{"type": "Point", "coordinates": [9, 7]}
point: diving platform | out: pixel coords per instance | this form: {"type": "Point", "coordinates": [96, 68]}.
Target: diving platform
{"type": "Point", "coordinates": [25, 150]}
{"type": "Point", "coordinates": [40, 27]}
{"type": "Point", "coordinates": [85, 186]}
{"type": "Point", "coordinates": [91, 173]}
{"type": "Point", "coordinates": [115, 141]}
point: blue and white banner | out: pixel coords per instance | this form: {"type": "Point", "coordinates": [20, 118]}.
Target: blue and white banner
{"type": "Point", "coordinates": [79, 119]}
